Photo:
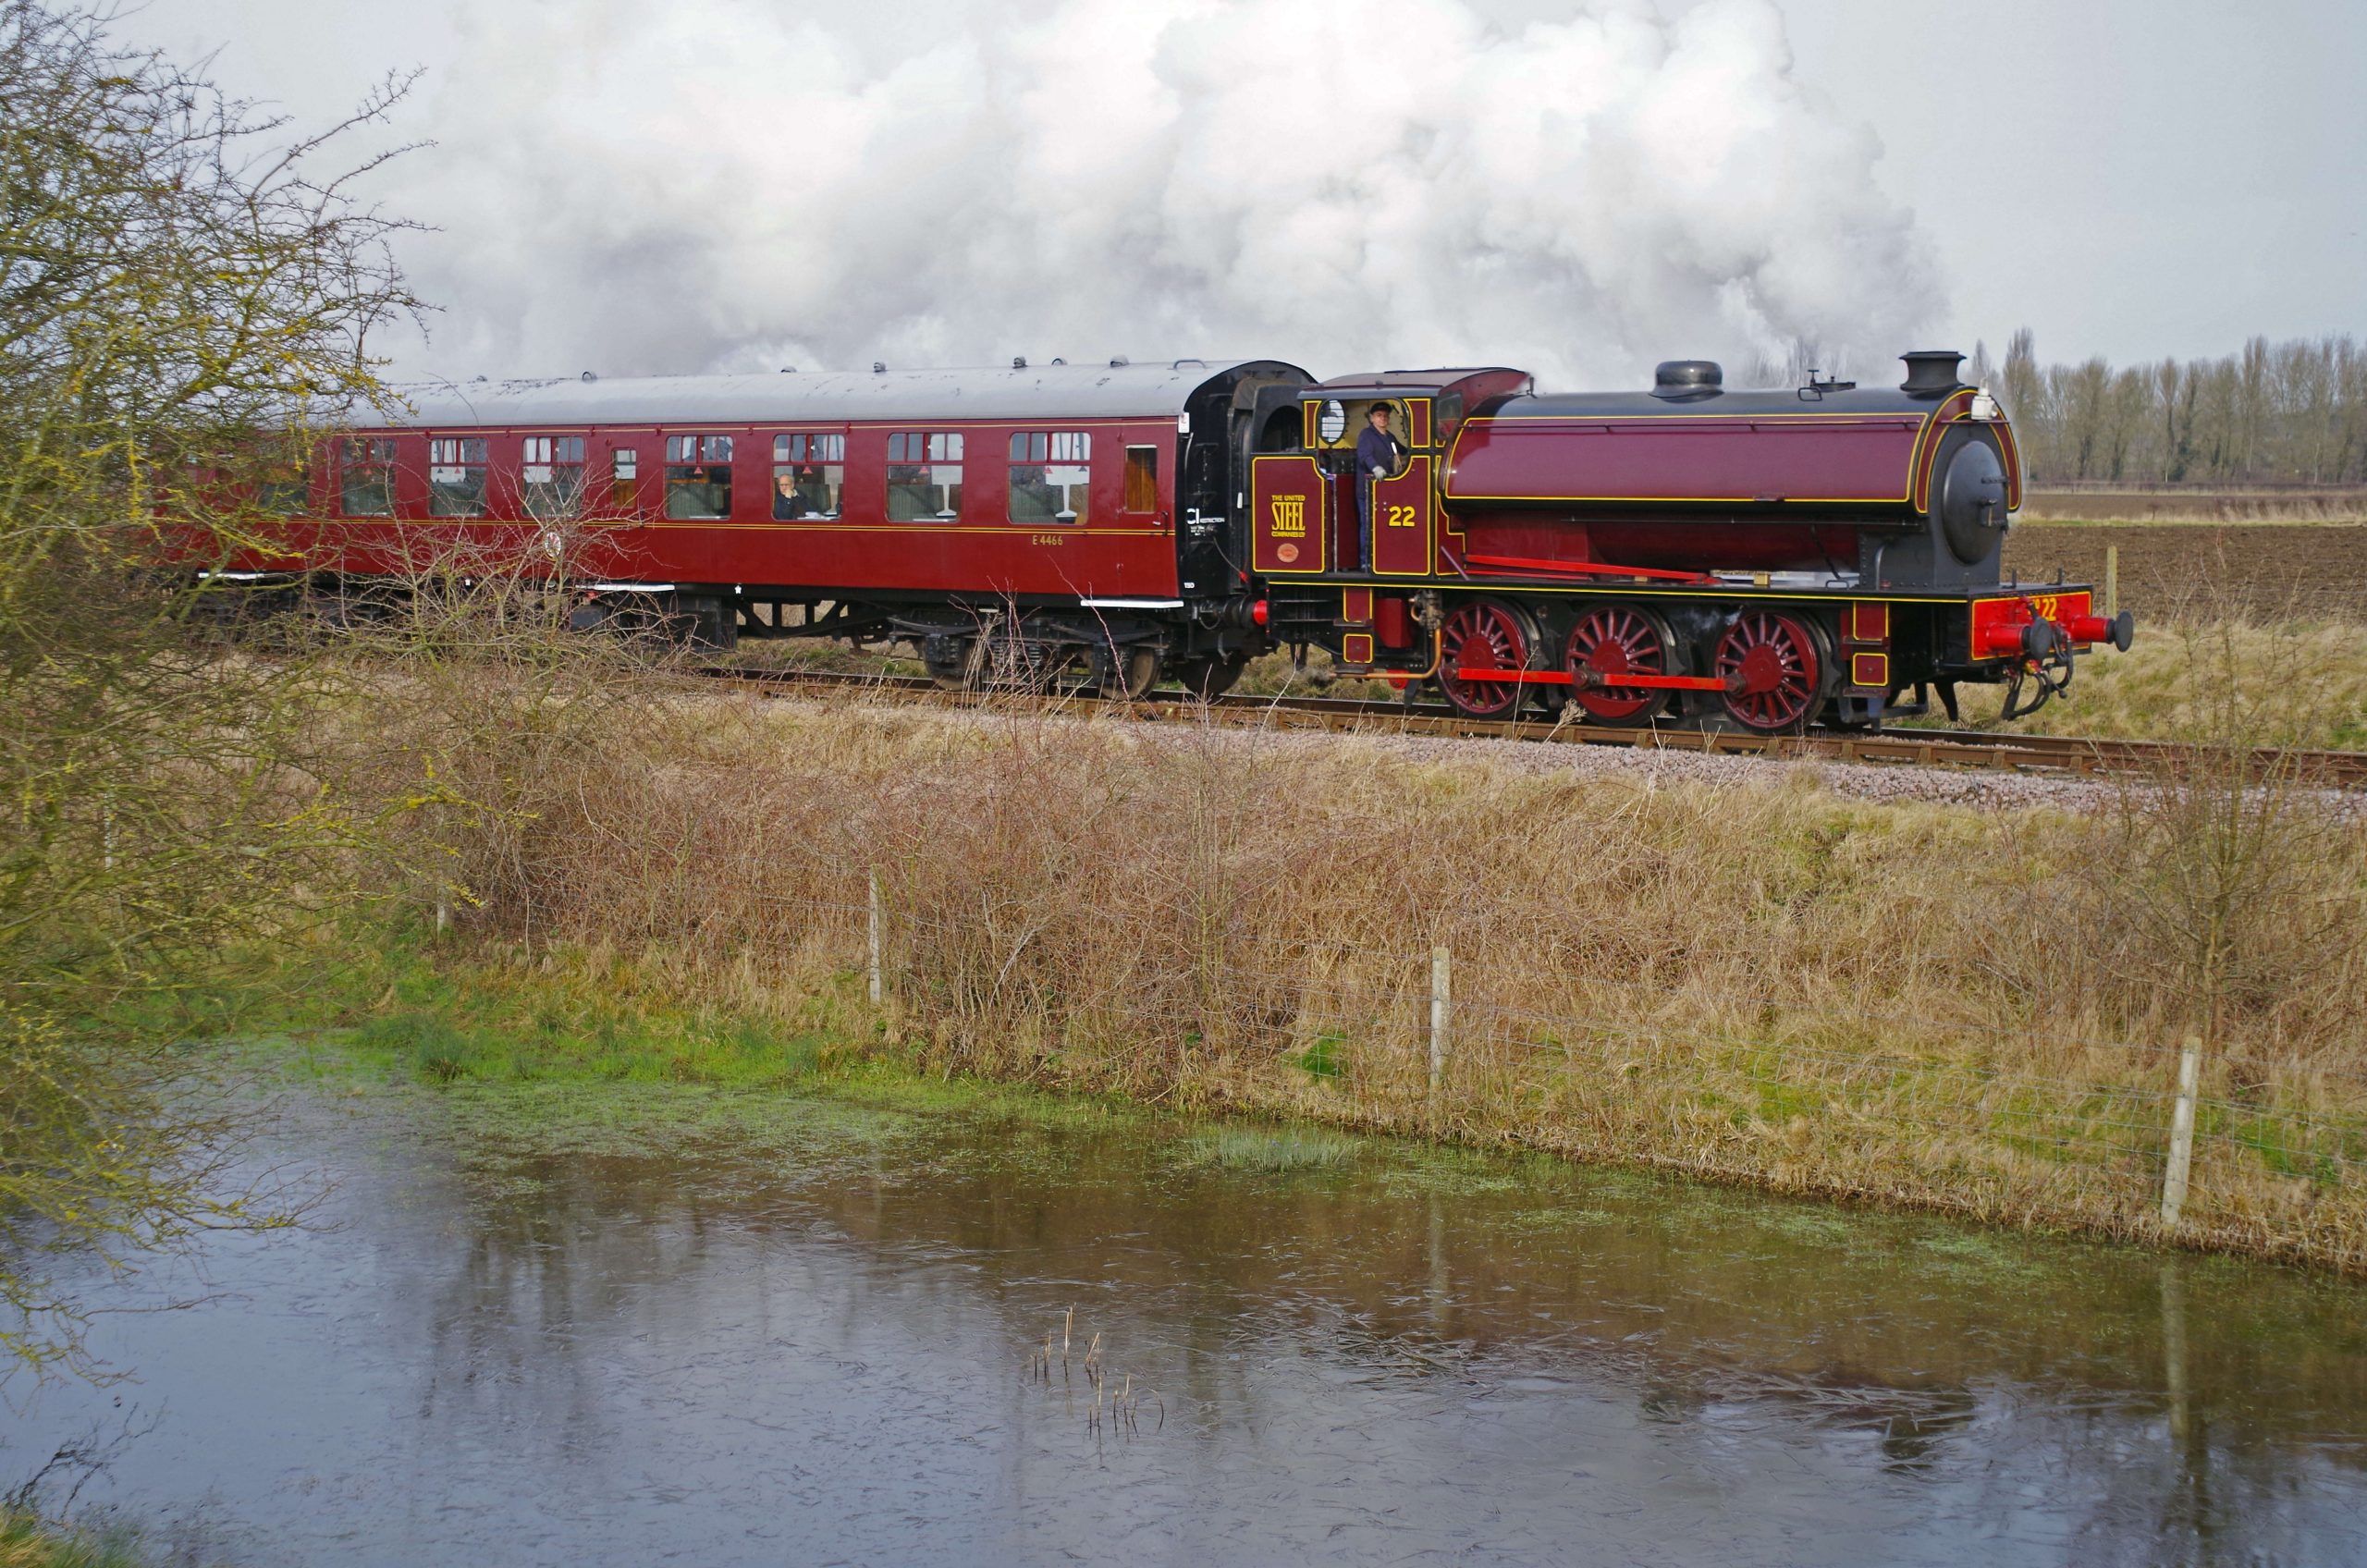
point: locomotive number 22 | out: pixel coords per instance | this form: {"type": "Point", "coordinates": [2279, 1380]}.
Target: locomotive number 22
{"type": "Point", "coordinates": [1399, 517]}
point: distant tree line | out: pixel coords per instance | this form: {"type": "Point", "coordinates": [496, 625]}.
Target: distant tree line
{"type": "Point", "coordinates": [2274, 414]}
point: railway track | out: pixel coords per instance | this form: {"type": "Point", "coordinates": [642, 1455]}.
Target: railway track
{"type": "Point", "coordinates": [2041, 754]}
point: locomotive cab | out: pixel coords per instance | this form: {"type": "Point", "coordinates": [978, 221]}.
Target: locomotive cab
{"type": "Point", "coordinates": [1308, 501]}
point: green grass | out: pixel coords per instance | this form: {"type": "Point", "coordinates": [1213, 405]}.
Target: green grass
{"type": "Point", "coordinates": [503, 1038]}
{"type": "Point", "coordinates": [28, 1542]}
{"type": "Point", "coordinates": [1275, 1151]}
{"type": "Point", "coordinates": [1779, 1104]}
{"type": "Point", "coordinates": [1322, 1058]}
{"type": "Point", "coordinates": [2271, 1139]}
{"type": "Point", "coordinates": [485, 1044]}
{"type": "Point", "coordinates": [397, 1004]}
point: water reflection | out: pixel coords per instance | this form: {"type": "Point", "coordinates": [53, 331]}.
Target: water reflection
{"type": "Point", "coordinates": [807, 1339]}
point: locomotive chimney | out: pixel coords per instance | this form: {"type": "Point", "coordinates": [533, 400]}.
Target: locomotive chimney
{"type": "Point", "coordinates": [1688, 378]}
{"type": "Point", "coordinates": [1930, 371]}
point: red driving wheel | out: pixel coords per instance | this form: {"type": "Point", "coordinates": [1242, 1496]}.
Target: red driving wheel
{"type": "Point", "coordinates": [1482, 634]}
{"type": "Point", "coordinates": [1610, 640]}
{"type": "Point", "coordinates": [1773, 670]}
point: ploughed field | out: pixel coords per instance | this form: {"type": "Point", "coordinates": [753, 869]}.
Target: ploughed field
{"type": "Point", "coordinates": [2180, 503]}
{"type": "Point", "coordinates": [2191, 571]}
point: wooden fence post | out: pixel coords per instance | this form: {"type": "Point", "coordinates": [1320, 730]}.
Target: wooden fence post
{"type": "Point", "coordinates": [2112, 579]}
{"type": "Point", "coordinates": [2174, 1178]}
{"type": "Point", "coordinates": [1439, 991]}
{"type": "Point", "coordinates": [875, 939]}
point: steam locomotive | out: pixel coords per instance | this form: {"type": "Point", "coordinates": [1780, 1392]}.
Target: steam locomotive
{"type": "Point", "coordinates": [1767, 559]}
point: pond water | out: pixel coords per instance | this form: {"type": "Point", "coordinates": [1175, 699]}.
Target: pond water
{"type": "Point", "coordinates": [577, 1325]}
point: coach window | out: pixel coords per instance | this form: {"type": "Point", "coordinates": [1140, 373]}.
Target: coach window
{"type": "Point", "coordinates": [1050, 473]}
{"type": "Point", "coordinates": [550, 472]}
{"type": "Point", "coordinates": [924, 477]}
{"type": "Point", "coordinates": [366, 485]}
{"type": "Point", "coordinates": [809, 472]}
{"type": "Point", "coordinates": [698, 476]}
{"type": "Point", "coordinates": [624, 478]}
{"type": "Point", "coordinates": [1142, 479]}
{"type": "Point", "coordinates": [456, 476]}
{"type": "Point", "coordinates": [285, 490]}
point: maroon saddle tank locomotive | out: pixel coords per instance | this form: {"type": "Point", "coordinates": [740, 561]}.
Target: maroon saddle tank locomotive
{"type": "Point", "coordinates": [1764, 558]}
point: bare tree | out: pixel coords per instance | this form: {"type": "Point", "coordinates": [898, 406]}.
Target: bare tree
{"type": "Point", "coordinates": [185, 299]}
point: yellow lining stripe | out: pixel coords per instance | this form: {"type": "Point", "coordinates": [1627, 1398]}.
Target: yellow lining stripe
{"type": "Point", "coordinates": [1707, 500]}
{"type": "Point", "coordinates": [720, 525]}
{"type": "Point", "coordinates": [1629, 590]}
{"type": "Point", "coordinates": [1681, 422]}
{"type": "Point", "coordinates": [727, 427]}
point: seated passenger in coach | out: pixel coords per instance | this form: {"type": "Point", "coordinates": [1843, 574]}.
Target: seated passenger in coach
{"type": "Point", "coordinates": [787, 502]}
{"type": "Point", "coordinates": [813, 491]}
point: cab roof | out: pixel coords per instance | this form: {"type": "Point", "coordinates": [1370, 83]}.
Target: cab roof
{"type": "Point", "coordinates": [1402, 381]}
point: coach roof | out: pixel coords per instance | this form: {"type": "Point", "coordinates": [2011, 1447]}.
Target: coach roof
{"type": "Point", "coordinates": [1049, 391]}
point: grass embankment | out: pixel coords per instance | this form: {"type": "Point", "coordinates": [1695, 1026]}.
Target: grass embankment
{"type": "Point", "coordinates": [1969, 1012]}
{"type": "Point", "coordinates": [399, 1006]}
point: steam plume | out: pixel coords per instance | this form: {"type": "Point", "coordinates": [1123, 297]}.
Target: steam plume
{"type": "Point", "coordinates": [732, 184]}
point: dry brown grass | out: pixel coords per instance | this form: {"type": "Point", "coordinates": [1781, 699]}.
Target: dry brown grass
{"type": "Point", "coordinates": [1957, 1009]}
{"type": "Point", "coordinates": [2303, 681]}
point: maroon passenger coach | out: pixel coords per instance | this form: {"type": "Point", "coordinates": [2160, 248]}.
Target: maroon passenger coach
{"type": "Point", "coordinates": [1767, 559]}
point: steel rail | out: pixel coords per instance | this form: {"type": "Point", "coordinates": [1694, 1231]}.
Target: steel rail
{"type": "Point", "coordinates": [1977, 749]}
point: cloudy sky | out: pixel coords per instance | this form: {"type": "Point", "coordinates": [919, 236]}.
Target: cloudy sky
{"type": "Point", "coordinates": [1578, 186]}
